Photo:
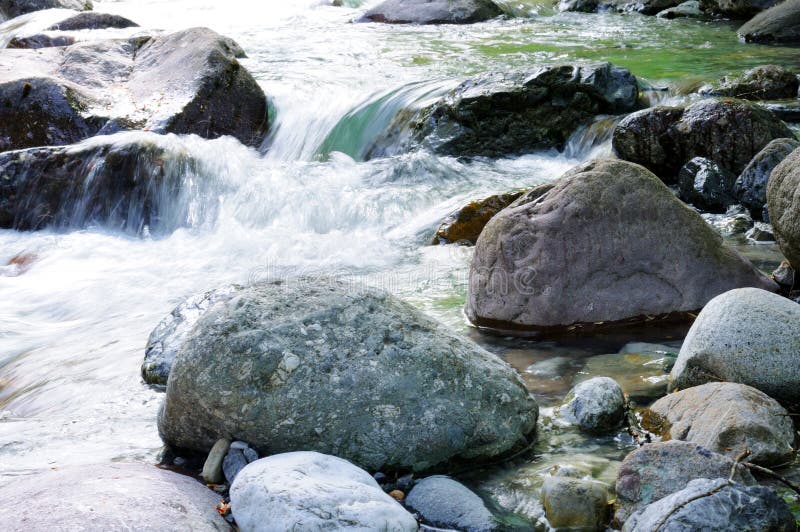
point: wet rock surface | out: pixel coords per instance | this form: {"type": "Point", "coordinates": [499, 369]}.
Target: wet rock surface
{"type": "Point", "coordinates": [778, 24]}
{"type": "Point", "coordinates": [706, 185]}
{"type": "Point", "coordinates": [446, 503]}
{"type": "Point", "coordinates": [432, 12]}
{"type": "Point", "coordinates": [768, 82]}
{"type": "Point", "coordinates": [575, 503]}
{"type": "Point", "coordinates": [595, 405]}
{"type": "Point", "coordinates": [751, 185]}
{"type": "Point", "coordinates": [783, 202]}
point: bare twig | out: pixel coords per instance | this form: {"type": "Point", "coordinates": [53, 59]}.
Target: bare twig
{"type": "Point", "coordinates": [739, 457]}
{"type": "Point", "coordinates": [772, 474]}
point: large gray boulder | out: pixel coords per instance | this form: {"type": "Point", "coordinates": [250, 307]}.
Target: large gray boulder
{"type": "Point", "coordinates": [767, 82]}
{"type": "Point", "coordinates": [608, 243]}
{"type": "Point", "coordinates": [659, 469]}
{"type": "Point", "coordinates": [446, 503]}
{"type": "Point", "coordinates": [127, 182]}
{"type": "Point", "coordinates": [320, 365]}
{"type": "Point", "coordinates": [783, 202]}
{"type": "Point", "coordinates": [751, 185]}
{"type": "Point", "coordinates": [185, 82]}
{"type": "Point", "coordinates": [727, 418]}
{"type": "Point", "coordinates": [14, 8]}
{"type": "Point", "coordinates": [112, 497]}
{"type": "Point", "coordinates": [747, 336]}
{"type": "Point", "coordinates": [432, 11]}
{"type": "Point", "coordinates": [313, 491]}
{"type": "Point", "coordinates": [505, 113]}
{"type": "Point", "coordinates": [729, 132]}
{"type": "Point", "coordinates": [715, 505]}
{"type": "Point", "coordinates": [778, 24]}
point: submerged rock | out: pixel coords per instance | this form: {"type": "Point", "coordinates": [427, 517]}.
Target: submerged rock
{"type": "Point", "coordinates": [747, 336]}
{"type": "Point", "coordinates": [778, 24]}
{"type": "Point", "coordinates": [727, 418]}
{"type": "Point", "coordinates": [432, 11]}
{"type": "Point", "coordinates": [275, 365]}
{"type": "Point", "coordinates": [595, 405]}
{"type": "Point", "coordinates": [573, 502]}
{"type": "Point", "coordinates": [109, 497]}
{"type": "Point", "coordinates": [501, 114]}
{"type": "Point", "coordinates": [657, 470]}
{"type": "Point", "coordinates": [707, 186]}
{"type": "Point", "coordinates": [729, 132]}
{"type": "Point", "coordinates": [14, 8]}
{"type": "Point", "coordinates": [312, 491]}
{"type": "Point", "coordinates": [445, 503]}
{"type": "Point", "coordinates": [608, 243]}
{"type": "Point", "coordinates": [768, 82]}
{"type": "Point", "coordinates": [715, 505]}
{"type": "Point", "coordinates": [783, 202]}
{"type": "Point", "coordinates": [185, 82]}
{"type": "Point", "coordinates": [465, 225]}
{"type": "Point", "coordinates": [751, 186]}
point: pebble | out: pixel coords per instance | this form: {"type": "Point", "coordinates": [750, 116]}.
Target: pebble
{"type": "Point", "coordinates": [397, 495]}
{"type": "Point", "coordinates": [250, 454]}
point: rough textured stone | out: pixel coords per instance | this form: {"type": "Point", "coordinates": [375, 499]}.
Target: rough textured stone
{"type": "Point", "coordinates": [499, 114]}
{"type": "Point", "coordinates": [727, 131]}
{"type": "Point", "coordinates": [432, 11]}
{"type": "Point", "coordinates": [347, 371]}
{"type": "Point", "coordinates": [727, 418]}
{"type": "Point", "coordinates": [747, 336]}
{"type": "Point", "coordinates": [741, 9]}
{"type": "Point", "coordinates": [168, 336]}
{"type": "Point", "coordinates": [778, 24]}
{"type": "Point", "coordinates": [233, 464]}
{"type": "Point", "coordinates": [312, 491]}
{"type": "Point", "coordinates": [706, 185]}
{"type": "Point", "coordinates": [465, 225]}
{"type": "Point", "coordinates": [109, 497]}
{"type": "Point", "coordinates": [659, 469]}
{"type": "Point", "coordinates": [595, 405]}
{"type": "Point", "coordinates": [185, 82]}
{"type": "Point", "coordinates": [14, 8]}
{"type": "Point", "coordinates": [572, 502]}
{"type": "Point", "coordinates": [783, 202]}
{"type": "Point", "coordinates": [751, 186]}
{"type": "Point", "coordinates": [768, 82]}
{"type": "Point", "coordinates": [608, 243]}
{"type": "Point", "coordinates": [212, 468]}
{"type": "Point", "coordinates": [715, 505]}
{"type": "Point", "coordinates": [445, 503]}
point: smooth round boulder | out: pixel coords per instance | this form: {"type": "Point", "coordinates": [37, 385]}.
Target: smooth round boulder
{"type": "Point", "coordinates": [715, 505]}
{"type": "Point", "coordinates": [317, 364]}
{"type": "Point", "coordinates": [706, 185]}
{"type": "Point", "coordinates": [313, 491]}
{"type": "Point", "coordinates": [747, 336]}
{"type": "Point", "coordinates": [446, 503]}
{"type": "Point", "coordinates": [609, 243]}
{"type": "Point", "coordinates": [783, 202]}
{"type": "Point", "coordinates": [727, 418]}
{"type": "Point", "coordinates": [659, 469]}
{"type": "Point", "coordinates": [751, 186]}
{"type": "Point", "coordinates": [575, 504]}
{"type": "Point", "coordinates": [432, 12]}
{"type": "Point", "coordinates": [595, 405]}
{"type": "Point", "coordinates": [729, 132]}
{"type": "Point", "coordinates": [115, 496]}
{"type": "Point", "coordinates": [778, 24]}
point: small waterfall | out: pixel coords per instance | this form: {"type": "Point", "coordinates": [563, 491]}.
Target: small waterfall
{"type": "Point", "coordinates": [593, 140]}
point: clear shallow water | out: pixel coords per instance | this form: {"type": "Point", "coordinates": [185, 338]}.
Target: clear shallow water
{"type": "Point", "coordinates": [75, 317]}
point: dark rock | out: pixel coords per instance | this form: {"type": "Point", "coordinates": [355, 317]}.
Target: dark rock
{"type": "Point", "coordinates": [715, 505]}
{"type": "Point", "coordinates": [751, 186]}
{"type": "Point", "coordinates": [784, 276]}
{"type": "Point", "coordinates": [575, 504]}
{"type": "Point", "coordinates": [778, 24]}
{"type": "Point", "coordinates": [608, 231]}
{"type": "Point", "coordinates": [741, 9]}
{"type": "Point", "coordinates": [768, 82]}
{"type": "Point", "coordinates": [92, 21]}
{"type": "Point", "coordinates": [276, 364]}
{"type": "Point", "coordinates": [233, 463]}
{"type": "Point", "coordinates": [645, 7]}
{"type": "Point", "coordinates": [659, 469]}
{"type": "Point", "coordinates": [788, 111]}
{"type": "Point", "coordinates": [690, 9]}
{"type": "Point", "coordinates": [445, 503]}
{"type": "Point", "coordinates": [109, 497]}
{"type": "Point", "coordinates": [465, 225]}
{"type": "Point", "coordinates": [595, 405]}
{"type": "Point", "coordinates": [41, 40]}
{"type": "Point", "coordinates": [707, 186]}
{"type": "Point", "coordinates": [748, 336]}
{"type": "Point", "coordinates": [727, 418]}
{"type": "Point", "coordinates": [729, 132]}
{"type": "Point", "coordinates": [432, 11]}
{"type": "Point", "coordinates": [169, 335]}
{"type": "Point", "coordinates": [250, 454]}
{"type": "Point", "coordinates": [186, 82]}
{"type": "Point", "coordinates": [761, 233]}
{"type": "Point", "coordinates": [501, 114]}
{"type": "Point", "coordinates": [783, 201]}
{"type": "Point", "coordinates": [14, 8]}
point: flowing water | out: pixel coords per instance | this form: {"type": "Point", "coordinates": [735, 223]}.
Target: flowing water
{"type": "Point", "coordinates": [76, 306]}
